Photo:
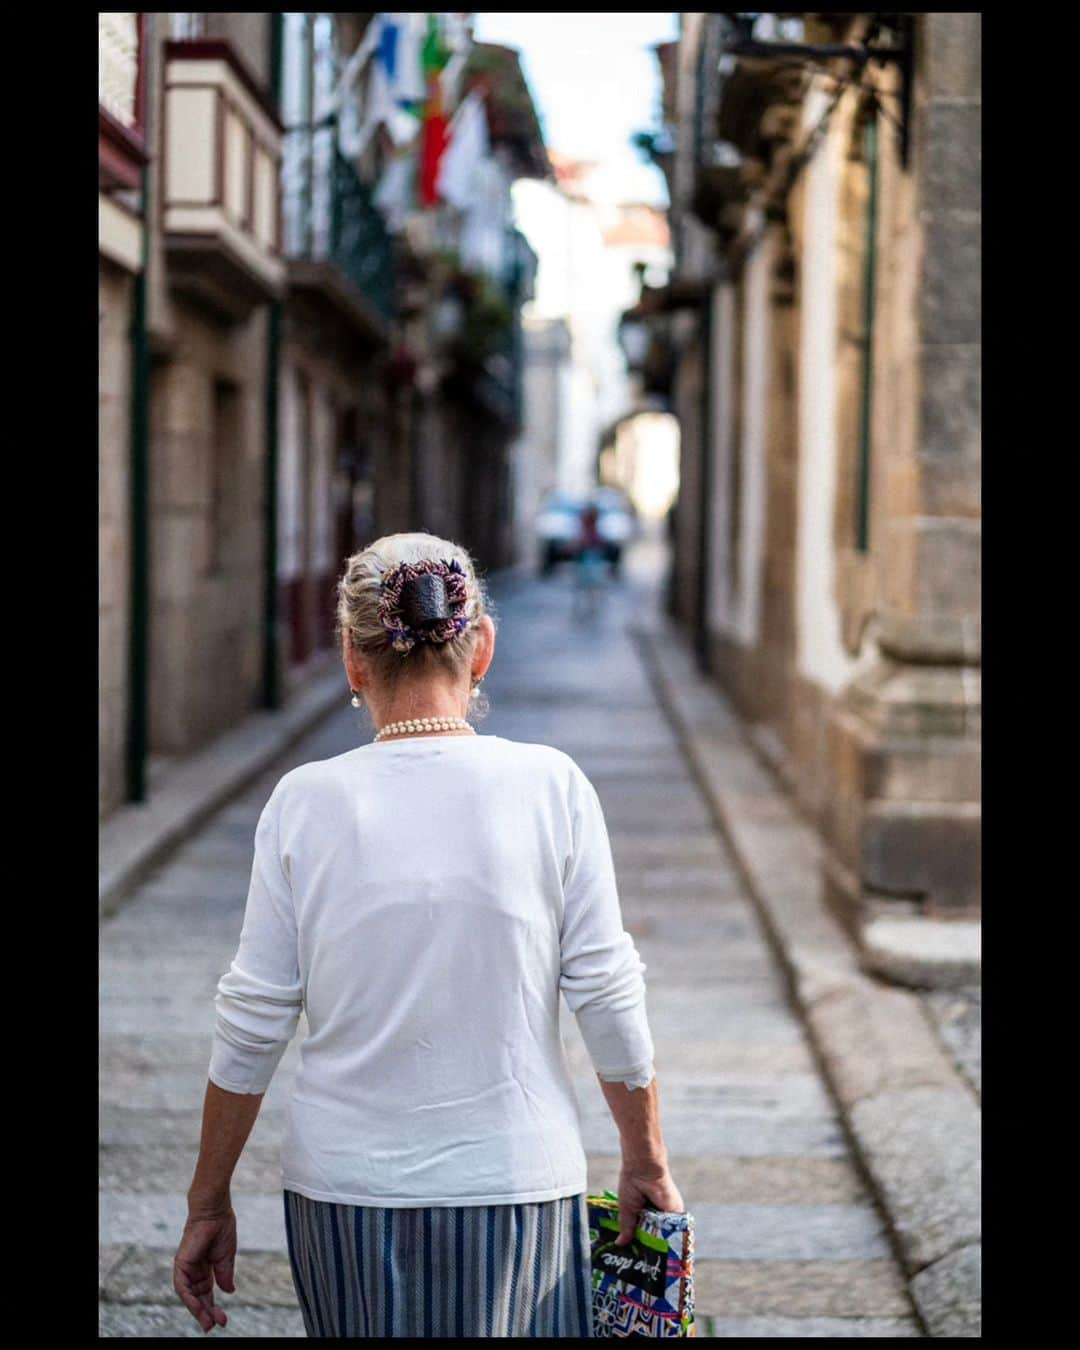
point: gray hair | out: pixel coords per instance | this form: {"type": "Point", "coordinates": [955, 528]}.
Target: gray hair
{"type": "Point", "coordinates": [359, 591]}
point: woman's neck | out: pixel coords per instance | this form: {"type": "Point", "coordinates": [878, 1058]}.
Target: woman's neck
{"type": "Point", "coordinates": [407, 705]}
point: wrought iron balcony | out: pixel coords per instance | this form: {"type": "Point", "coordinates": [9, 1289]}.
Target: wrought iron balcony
{"type": "Point", "coordinates": [497, 382]}
{"type": "Point", "coordinates": [512, 371]}
{"type": "Point", "coordinates": [336, 242]}
{"type": "Point", "coordinates": [481, 335]}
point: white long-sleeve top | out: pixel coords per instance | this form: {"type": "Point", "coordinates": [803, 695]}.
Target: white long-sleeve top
{"type": "Point", "coordinates": [424, 901]}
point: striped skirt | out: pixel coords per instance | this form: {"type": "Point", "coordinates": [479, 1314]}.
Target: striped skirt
{"type": "Point", "coordinates": [468, 1270]}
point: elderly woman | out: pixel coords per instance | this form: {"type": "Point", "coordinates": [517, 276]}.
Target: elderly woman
{"type": "Point", "coordinates": [424, 899]}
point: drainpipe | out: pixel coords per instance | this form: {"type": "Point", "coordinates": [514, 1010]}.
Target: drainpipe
{"type": "Point", "coordinates": [271, 693]}
{"type": "Point", "coordinates": [139, 502]}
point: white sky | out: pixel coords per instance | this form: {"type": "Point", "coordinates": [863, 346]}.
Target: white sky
{"type": "Point", "coordinates": [595, 82]}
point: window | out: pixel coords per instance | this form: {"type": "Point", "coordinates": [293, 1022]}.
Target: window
{"type": "Point", "coordinates": [864, 446]}
{"type": "Point", "coordinates": [310, 75]}
{"type": "Point", "coordinates": [224, 464]}
{"type": "Point", "coordinates": [186, 27]}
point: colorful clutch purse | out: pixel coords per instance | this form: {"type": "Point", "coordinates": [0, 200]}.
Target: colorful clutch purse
{"type": "Point", "coordinates": [645, 1288]}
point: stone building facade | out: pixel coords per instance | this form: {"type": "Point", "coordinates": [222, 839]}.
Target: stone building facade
{"type": "Point", "coordinates": [547, 345]}
{"type": "Point", "coordinates": [121, 157]}
{"type": "Point", "coordinates": [276, 388]}
{"type": "Point", "coordinates": [114, 430]}
{"type": "Point", "coordinates": [214, 271]}
{"type": "Point", "coordinates": [195, 637]}
{"type": "Point", "coordinates": [337, 319]}
{"type": "Point", "coordinates": [822, 329]}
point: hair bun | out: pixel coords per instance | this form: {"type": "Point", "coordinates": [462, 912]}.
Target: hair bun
{"type": "Point", "coordinates": [423, 601]}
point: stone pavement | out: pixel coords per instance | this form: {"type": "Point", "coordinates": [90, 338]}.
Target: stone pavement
{"type": "Point", "coordinates": [789, 1241]}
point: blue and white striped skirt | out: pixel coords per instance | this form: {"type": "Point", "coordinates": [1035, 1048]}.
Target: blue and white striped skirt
{"type": "Point", "coordinates": [467, 1270]}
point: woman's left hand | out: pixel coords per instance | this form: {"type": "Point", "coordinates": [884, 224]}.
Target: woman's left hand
{"type": "Point", "coordinates": [207, 1252]}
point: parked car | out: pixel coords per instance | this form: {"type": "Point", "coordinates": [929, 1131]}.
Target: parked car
{"type": "Point", "coordinates": [558, 525]}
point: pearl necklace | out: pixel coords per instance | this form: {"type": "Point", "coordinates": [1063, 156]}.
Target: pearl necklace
{"type": "Point", "coordinates": [415, 724]}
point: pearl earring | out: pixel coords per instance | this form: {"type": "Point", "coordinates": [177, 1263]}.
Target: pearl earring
{"type": "Point", "coordinates": [355, 699]}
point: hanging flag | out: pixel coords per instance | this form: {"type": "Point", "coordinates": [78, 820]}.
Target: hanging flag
{"type": "Point", "coordinates": [388, 43]}
{"type": "Point", "coordinates": [468, 146]}
{"type": "Point", "coordinates": [395, 195]}
{"type": "Point", "coordinates": [485, 231]}
{"type": "Point", "coordinates": [435, 57]}
{"type": "Point", "coordinates": [395, 84]}
{"type": "Point", "coordinates": [410, 84]}
{"type": "Point", "coordinates": [456, 34]}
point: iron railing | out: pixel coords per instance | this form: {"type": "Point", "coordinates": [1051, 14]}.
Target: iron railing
{"type": "Point", "coordinates": [499, 382]}
{"type": "Point", "coordinates": [503, 371]}
{"type": "Point", "coordinates": [329, 215]}
{"type": "Point", "coordinates": [360, 244]}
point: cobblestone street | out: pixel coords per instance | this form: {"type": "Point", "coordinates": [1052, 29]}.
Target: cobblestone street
{"type": "Point", "coordinates": [789, 1241]}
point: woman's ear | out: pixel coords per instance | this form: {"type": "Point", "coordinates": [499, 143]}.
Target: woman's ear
{"type": "Point", "coordinates": [485, 648]}
{"type": "Point", "coordinates": [353, 668]}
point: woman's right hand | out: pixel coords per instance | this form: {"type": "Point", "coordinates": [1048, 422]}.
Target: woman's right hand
{"type": "Point", "coordinates": [207, 1253]}
{"type": "Point", "coordinates": [644, 1186]}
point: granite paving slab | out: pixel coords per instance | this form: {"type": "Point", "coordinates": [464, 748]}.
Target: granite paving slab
{"type": "Point", "coordinates": [743, 1232]}
{"type": "Point", "coordinates": [145, 1275]}
{"type": "Point", "coordinates": [157, 1220]}
{"type": "Point", "coordinates": [743, 1136]}
{"type": "Point", "coordinates": [859, 1288]}
{"type": "Point", "coordinates": [153, 1167]}
{"type": "Point", "coordinates": [761, 1181]}
{"type": "Point", "coordinates": [795, 1328]}
{"type": "Point", "coordinates": [138, 1320]}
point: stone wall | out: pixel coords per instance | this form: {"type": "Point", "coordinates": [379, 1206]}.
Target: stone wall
{"type": "Point", "coordinates": [114, 560]}
{"type": "Point", "coordinates": [931, 603]}
{"type": "Point", "coordinates": [207, 472]}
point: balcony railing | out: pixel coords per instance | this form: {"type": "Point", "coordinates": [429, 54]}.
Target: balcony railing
{"type": "Point", "coordinates": [478, 324]}
{"type": "Point", "coordinates": [498, 383]}
{"type": "Point", "coordinates": [331, 221]}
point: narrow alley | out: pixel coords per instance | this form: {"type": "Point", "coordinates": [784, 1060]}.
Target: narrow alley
{"type": "Point", "coordinates": [788, 1243]}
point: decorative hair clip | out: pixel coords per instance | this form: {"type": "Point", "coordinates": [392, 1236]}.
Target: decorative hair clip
{"type": "Point", "coordinates": [423, 602]}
